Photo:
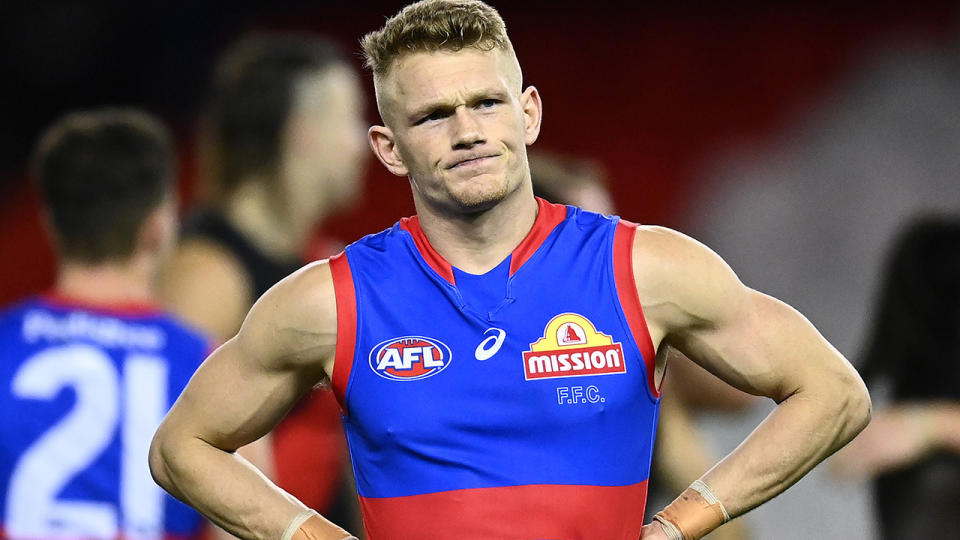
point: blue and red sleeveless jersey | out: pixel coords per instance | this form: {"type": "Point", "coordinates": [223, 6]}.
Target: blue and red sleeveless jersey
{"type": "Point", "coordinates": [82, 391]}
{"type": "Point", "coordinates": [514, 404]}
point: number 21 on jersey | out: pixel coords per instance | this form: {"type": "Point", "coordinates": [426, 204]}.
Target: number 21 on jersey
{"type": "Point", "coordinates": [132, 400]}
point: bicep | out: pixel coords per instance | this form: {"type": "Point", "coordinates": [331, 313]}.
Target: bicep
{"type": "Point", "coordinates": [758, 344]}
{"type": "Point", "coordinates": [233, 399]}
{"type": "Point", "coordinates": [749, 339]}
{"type": "Point", "coordinates": [282, 349]}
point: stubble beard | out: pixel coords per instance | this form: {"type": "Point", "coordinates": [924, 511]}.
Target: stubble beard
{"type": "Point", "coordinates": [481, 198]}
{"type": "Point", "coordinates": [470, 196]}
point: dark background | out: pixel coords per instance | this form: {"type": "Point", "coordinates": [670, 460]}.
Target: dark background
{"type": "Point", "coordinates": [652, 91]}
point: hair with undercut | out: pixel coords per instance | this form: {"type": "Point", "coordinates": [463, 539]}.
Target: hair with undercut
{"type": "Point", "coordinates": [100, 174]}
{"type": "Point", "coordinates": [253, 94]}
{"type": "Point", "coordinates": [432, 25]}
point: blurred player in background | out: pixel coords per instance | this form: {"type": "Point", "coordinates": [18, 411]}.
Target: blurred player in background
{"type": "Point", "coordinates": [283, 148]}
{"type": "Point", "coordinates": [499, 357]}
{"type": "Point", "coordinates": [912, 448]}
{"type": "Point", "coordinates": [88, 370]}
{"type": "Point", "coordinates": [570, 180]}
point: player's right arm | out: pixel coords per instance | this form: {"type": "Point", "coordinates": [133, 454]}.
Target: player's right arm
{"type": "Point", "coordinates": [285, 345]}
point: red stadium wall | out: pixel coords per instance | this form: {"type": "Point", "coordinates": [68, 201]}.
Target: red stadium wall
{"type": "Point", "coordinates": [653, 93]}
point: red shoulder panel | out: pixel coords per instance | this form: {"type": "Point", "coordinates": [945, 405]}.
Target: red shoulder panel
{"type": "Point", "coordinates": [630, 298]}
{"type": "Point", "coordinates": [346, 326]}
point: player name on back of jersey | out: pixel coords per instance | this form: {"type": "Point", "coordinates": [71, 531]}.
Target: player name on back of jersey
{"type": "Point", "coordinates": [571, 346]}
{"type": "Point", "coordinates": [106, 331]}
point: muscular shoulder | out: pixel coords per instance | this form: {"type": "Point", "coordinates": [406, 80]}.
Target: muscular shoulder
{"type": "Point", "coordinates": [208, 287]}
{"type": "Point", "coordinates": [294, 324]}
{"type": "Point", "coordinates": [681, 282]}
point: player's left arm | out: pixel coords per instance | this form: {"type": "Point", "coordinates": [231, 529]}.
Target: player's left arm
{"type": "Point", "coordinates": [693, 301]}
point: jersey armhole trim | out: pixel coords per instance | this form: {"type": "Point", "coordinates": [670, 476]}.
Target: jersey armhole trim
{"type": "Point", "coordinates": [630, 298]}
{"type": "Point", "coordinates": [346, 327]}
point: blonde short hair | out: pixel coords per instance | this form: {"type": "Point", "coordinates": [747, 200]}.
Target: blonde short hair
{"type": "Point", "coordinates": [431, 25]}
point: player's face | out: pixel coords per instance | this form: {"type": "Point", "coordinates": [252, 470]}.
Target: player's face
{"type": "Point", "coordinates": [458, 126]}
{"type": "Point", "coordinates": [324, 151]}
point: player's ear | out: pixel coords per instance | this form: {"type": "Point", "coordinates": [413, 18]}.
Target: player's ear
{"type": "Point", "coordinates": [385, 147]}
{"type": "Point", "coordinates": [158, 232]}
{"type": "Point", "coordinates": [532, 114]}
{"type": "Point", "coordinates": [46, 220]}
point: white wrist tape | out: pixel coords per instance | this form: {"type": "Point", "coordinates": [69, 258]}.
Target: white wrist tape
{"type": "Point", "coordinates": [673, 533]}
{"type": "Point", "coordinates": [708, 495]}
{"type": "Point", "coordinates": [296, 522]}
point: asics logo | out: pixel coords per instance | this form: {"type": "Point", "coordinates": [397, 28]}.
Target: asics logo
{"type": "Point", "coordinates": [489, 346]}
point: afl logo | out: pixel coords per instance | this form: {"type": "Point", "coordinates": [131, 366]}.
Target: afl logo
{"type": "Point", "coordinates": [409, 358]}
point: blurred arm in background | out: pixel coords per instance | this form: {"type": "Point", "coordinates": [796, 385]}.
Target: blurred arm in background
{"type": "Point", "coordinates": [911, 450]}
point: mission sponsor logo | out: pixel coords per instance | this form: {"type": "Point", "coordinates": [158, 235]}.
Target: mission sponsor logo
{"type": "Point", "coordinates": [409, 358]}
{"type": "Point", "coordinates": [571, 346]}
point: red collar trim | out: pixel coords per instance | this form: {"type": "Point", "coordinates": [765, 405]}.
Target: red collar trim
{"type": "Point", "coordinates": [438, 263]}
{"type": "Point", "coordinates": [549, 215]}
{"type": "Point", "coordinates": [122, 309]}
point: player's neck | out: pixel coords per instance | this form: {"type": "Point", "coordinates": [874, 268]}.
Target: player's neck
{"type": "Point", "coordinates": [115, 282]}
{"type": "Point", "coordinates": [478, 243]}
{"type": "Point", "coordinates": [259, 215]}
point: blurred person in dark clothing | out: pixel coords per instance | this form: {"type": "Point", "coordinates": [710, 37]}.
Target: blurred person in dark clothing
{"type": "Point", "coordinates": [88, 369]}
{"type": "Point", "coordinates": [283, 147]}
{"type": "Point", "coordinates": [912, 447]}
